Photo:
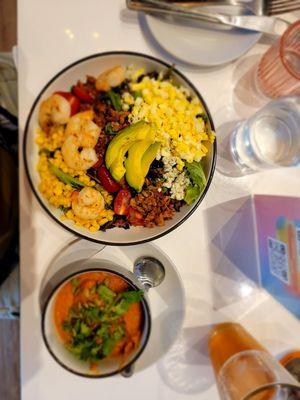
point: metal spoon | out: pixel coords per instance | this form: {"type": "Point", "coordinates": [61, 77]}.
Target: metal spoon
{"type": "Point", "coordinates": [150, 272]}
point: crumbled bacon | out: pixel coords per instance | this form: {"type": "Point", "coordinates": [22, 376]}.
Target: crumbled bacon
{"type": "Point", "coordinates": [155, 207]}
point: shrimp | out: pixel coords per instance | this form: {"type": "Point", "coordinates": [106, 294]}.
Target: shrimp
{"type": "Point", "coordinates": [87, 204]}
{"type": "Point", "coordinates": [83, 122]}
{"type": "Point", "coordinates": [81, 137]}
{"type": "Point", "coordinates": [110, 78]}
{"type": "Point", "coordinates": [55, 110]}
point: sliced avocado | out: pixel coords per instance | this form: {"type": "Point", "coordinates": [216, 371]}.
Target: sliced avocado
{"type": "Point", "coordinates": [122, 141]}
{"type": "Point", "coordinates": [149, 157]}
{"type": "Point", "coordinates": [134, 172]}
{"type": "Point", "coordinates": [117, 168]}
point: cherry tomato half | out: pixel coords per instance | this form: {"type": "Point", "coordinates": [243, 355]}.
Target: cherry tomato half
{"type": "Point", "coordinates": [107, 180]}
{"type": "Point", "coordinates": [135, 217]}
{"type": "Point", "coordinates": [74, 101]}
{"type": "Point", "coordinates": [121, 202]}
{"type": "Point", "coordinates": [81, 94]}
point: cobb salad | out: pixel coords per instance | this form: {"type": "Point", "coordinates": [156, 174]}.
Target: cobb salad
{"type": "Point", "coordinates": [122, 149]}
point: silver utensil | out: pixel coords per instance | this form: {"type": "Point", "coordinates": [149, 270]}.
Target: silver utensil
{"type": "Point", "coordinates": [268, 25]}
{"type": "Point", "coordinates": [257, 7]}
{"type": "Point", "coordinates": [150, 272]}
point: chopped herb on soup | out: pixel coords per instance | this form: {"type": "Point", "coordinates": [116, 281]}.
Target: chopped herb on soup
{"type": "Point", "coordinates": [97, 315]}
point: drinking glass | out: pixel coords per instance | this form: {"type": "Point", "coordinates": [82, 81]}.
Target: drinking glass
{"type": "Point", "coordinates": [291, 362]}
{"type": "Point", "coordinates": [244, 370]}
{"type": "Point", "coordinates": [278, 72]}
{"type": "Point", "coordinates": [268, 139]}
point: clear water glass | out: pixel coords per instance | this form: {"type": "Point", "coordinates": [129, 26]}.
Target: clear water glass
{"type": "Point", "coordinates": [244, 369]}
{"type": "Point", "coordinates": [256, 375]}
{"type": "Point", "coordinates": [268, 139]}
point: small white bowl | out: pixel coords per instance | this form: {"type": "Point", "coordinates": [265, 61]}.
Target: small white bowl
{"type": "Point", "coordinates": [107, 367]}
{"type": "Point", "coordinates": [63, 80]}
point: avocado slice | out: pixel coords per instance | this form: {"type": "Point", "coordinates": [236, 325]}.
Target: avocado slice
{"type": "Point", "coordinates": [120, 144]}
{"type": "Point", "coordinates": [134, 172]}
{"type": "Point", "coordinates": [149, 157]}
{"type": "Point", "coordinates": [117, 168]}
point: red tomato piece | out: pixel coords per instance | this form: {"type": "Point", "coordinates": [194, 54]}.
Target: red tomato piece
{"type": "Point", "coordinates": [74, 101]}
{"type": "Point", "coordinates": [121, 203]}
{"type": "Point", "coordinates": [75, 104]}
{"type": "Point", "coordinates": [107, 180]}
{"type": "Point", "coordinates": [98, 163]}
{"type": "Point", "coordinates": [135, 217]}
{"type": "Point", "coordinates": [81, 94]}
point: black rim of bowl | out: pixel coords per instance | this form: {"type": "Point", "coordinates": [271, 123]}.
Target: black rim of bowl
{"type": "Point", "coordinates": [147, 318]}
{"type": "Point", "coordinates": [37, 195]}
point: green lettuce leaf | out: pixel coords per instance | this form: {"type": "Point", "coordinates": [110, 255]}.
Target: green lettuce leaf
{"type": "Point", "coordinates": [115, 99]}
{"type": "Point", "coordinates": [191, 194]}
{"type": "Point", "coordinates": [196, 174]}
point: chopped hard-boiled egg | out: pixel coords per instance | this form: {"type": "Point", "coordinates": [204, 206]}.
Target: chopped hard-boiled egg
{"type": "Point", "coordinates": [177, 116]}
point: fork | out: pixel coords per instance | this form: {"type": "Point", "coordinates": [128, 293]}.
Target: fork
{"type": "Point", "coordinates": [257, 7]}
{"type": "Point", "coordinates": [259, 23]}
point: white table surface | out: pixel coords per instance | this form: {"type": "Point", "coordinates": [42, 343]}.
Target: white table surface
{"type": "Point", "coordinates": [52, 34]}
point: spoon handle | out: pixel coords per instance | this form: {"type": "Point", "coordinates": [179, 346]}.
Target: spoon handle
{"type": "Point", "coordinates": [147, 286]}
{"type": "Point", "coordinates": [128, 371]}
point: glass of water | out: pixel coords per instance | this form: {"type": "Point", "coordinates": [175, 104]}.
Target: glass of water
{"type": "Point", "coordinates": [268, 139]}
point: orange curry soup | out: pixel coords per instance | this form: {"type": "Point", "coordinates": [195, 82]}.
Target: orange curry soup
{"type": "Point", "coordinates": [84, 295]}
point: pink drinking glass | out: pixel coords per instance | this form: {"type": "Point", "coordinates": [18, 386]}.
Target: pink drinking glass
{"type": "Point", "coordinates": [278, 72]}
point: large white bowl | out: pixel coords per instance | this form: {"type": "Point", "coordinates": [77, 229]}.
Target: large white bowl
{"type": "Point", "coordinates": [63, 80]}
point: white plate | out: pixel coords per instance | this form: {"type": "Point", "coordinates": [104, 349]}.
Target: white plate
{"type": "Point", "coordinates": [167, 301]}
{"type": "Point", "coordinates": [198, 42]}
